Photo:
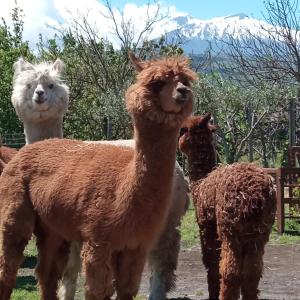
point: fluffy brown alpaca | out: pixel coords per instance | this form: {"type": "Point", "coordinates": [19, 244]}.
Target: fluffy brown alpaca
{"type": "Point", "coordinates": [162, 259]}
{"type": "Point", "coordinates": [235, 207]}
{"type": "Point", "coordinates": [6, 154]}
{"type": "Point", "coordinates": [111, 199]}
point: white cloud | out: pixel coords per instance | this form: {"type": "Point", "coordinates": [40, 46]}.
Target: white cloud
{"type": "Point", "coordinates": [38, 14]}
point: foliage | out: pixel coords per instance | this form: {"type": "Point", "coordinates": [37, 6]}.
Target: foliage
{"type": "Point", "coordinates": [252, 120]}
{"type": "Point", "coordinates": [272, 56]}
{"type": "Point", "coordinates": [246, 117]}
{"type": "Point", "coordinates": [11, 48]}
{"type": "Point", "coordinates": [98, 76]}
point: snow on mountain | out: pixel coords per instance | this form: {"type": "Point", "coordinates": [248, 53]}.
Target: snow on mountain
{"type": "Point", "coordinates": [198, 33]}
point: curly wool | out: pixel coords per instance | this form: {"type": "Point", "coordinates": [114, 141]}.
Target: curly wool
{"type": "Point", "coordinates": [235, 208]}
{"type": "Point", "coordinates": [241, 198]}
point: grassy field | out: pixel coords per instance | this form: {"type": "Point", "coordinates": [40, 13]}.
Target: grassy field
{"type": "Point", "coordinates": [26, 285]}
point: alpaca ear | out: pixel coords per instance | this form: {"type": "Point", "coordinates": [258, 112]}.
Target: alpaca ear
{"type": "Point", "coordinates": [58, 66]}
{"type": "Point", "coordinates": [21, 65]}
{"type": "Point", "coordinates": [137, 62]}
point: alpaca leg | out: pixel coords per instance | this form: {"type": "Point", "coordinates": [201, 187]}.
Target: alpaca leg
{"type": "Point", "coordinates": [68, 284]}
{"type": "Point", "coordinates": [10, 259]}
{"type": "Point", "coordinates": [96, 261]}
{"type": "Point", "coordinates": [252, 270]}
{"type": "Point", "coordinates": [230, 270]}
{"type": "Point", "coordinates": [211, 249]}
{"type": "Point", "coordinates": [128, 268]}
{"type": "Point", "coordinates": [16, 223]}
{"type": "Point", "coordinates": [163, 263]}
{"type": "Point", "coordinates": [52, 259]}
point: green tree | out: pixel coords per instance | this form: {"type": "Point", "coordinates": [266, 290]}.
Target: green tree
{"type": "Point", "coordinates": [11, 48]}
{"type": "Point", "coordinates": [98, 74]}
{"type": "Point", "coordinates": [249, 120]}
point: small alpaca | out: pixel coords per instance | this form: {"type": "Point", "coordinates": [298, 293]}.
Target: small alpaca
{"type": "Point", "coordinates": [235, 207]}
{"type": "Point", "coordinates": [40, 99]}
{"type": "Point", "coordinates": [162, 258]}
{"type": "Point", "coordinates": [113, 200]}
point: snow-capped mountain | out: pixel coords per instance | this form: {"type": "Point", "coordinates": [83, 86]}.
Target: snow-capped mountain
{"type": "Point", "coordinates": [197, 33]}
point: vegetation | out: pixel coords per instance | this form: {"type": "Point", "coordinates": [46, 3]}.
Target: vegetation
{"type": "Point", "coordinates": [11, 48]}
{"type": "Point", "coordinates": [252, 119]}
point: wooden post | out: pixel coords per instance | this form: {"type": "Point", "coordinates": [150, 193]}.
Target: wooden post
{"type": "Point", "coordinates": [279, 200]}
{"type": "Point", "coordinates": [292, 122]}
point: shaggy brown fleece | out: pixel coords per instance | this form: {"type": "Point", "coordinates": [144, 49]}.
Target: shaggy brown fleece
{"type": "Point", "coordinates": [112, 199]}
{"type": "Point", "coordinates": [6, 154]}
{"type": "Point", "coordinates": [235, 208]}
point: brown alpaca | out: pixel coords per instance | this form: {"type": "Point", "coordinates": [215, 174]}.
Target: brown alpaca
{"type": "Point", "coordinates": [162, 259]}
{"type": "Point", "coordinates": [6, 154]}
{"type": "Point", "coordinates": [235, 207]}
{"type": "Point", "coordinates": [112, 199]}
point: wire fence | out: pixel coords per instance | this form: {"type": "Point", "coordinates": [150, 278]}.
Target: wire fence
{"type": "Point", "coordinates": [16, 140]}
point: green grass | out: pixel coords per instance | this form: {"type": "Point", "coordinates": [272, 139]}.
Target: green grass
{"type": "Point", "coordinates": [291, 235]}
{"type": "Point", "coordinates": [24, 295]}
{"type": "Point", "coordinates": [30, 250]}
{"type": "Point", "coordinates": [25, 289]}
{"type": "Point", "coordinates": [189, 229]}
{"type": "Point", "coordinates": [284, 239]}
{"type": "Point", "coordinates": [190, 232]}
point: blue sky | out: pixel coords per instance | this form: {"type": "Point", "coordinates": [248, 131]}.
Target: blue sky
{"type": "Point", "coordinates": [207, 9]}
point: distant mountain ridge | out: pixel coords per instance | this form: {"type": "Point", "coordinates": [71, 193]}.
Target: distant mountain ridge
{"type": "Point", "coordinates": [198, 33]}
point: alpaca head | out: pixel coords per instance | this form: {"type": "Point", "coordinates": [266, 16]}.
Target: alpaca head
{"type": "Point", "coordinates": [197, 136]}
{"type": "Point", "coordinates": [38, 92]}
{"type": "Point", "coordinates": [162, 92]}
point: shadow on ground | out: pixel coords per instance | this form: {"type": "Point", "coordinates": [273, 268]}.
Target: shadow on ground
{"type": "Point", "coordinates": [27, 283]}
{"type": "Point", "coordinates": [29, 262]}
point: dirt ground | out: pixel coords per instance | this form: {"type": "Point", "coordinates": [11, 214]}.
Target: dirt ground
{"type": "Point", "coordinates": [281, 279]}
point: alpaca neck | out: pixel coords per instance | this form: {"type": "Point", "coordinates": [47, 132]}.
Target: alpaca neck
{"type": "Point", "coordinates": [155, 151]}
{"type": "Point", "coordinates": [153, 165]}
{"type": "Point", "coordinates": [201, 163]}
{"type": "Point", "coordinates": [52, 128]}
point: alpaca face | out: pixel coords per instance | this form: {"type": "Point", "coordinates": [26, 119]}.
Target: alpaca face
{"type": "Point", "coordinates": [38, 92]}
{"type": "Point", "coordinates": [196, 135]}
{"type": "Point", "coordinates": [162, 92]}
{"type": "Point", "coordinates": [173, 93]}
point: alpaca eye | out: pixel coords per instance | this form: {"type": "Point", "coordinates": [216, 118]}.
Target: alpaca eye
{"type": "Point", "coordinates": [185, 82]}
{"type": "Point", "coordinates": [51, 85]}
{"type": "Point", "coordinates": [28, 85]}
{"type": "Point", "coordinates": [158, 84]}
{"type": "Point", "coordinates": [183, 131]}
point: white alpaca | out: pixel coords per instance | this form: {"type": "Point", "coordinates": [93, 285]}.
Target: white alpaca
{"type": "Point", "coordinates": [40, 99]}
{"type": "Point", "coordinates": [163, 257]}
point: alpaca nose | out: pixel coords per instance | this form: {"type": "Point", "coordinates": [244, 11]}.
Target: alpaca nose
{"type": "Point", "coordinates": [182, 90]}
{"type": "Point", "coordinates": [39, 93]}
